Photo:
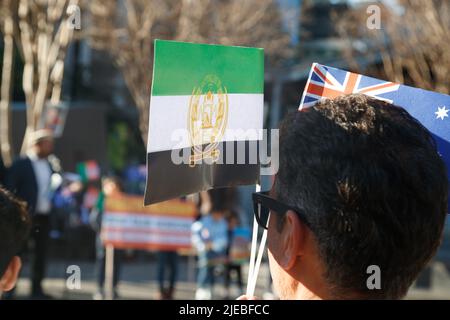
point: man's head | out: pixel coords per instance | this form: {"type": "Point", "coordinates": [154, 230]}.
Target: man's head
{"type": "Point", "coordinates": [368, 177]}
{"type": "Point", "coordinates": [111, 186]}
{"type": "Point", "coordinates": [42, 143]}
{"type": "Point", "coordinates": [218, 212]}
{"type": "Point", "coordinates": [14, 228]}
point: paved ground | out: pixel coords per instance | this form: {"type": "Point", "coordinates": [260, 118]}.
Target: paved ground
{"type": "Point", "coordinates": [138, 281]}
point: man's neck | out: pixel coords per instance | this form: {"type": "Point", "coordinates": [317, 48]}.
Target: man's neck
{"type": "Point", "coordinates": [303, 293]}
{"type": "Point", "coordinates": [33, 155]}
{"type": "Point", "coordinates": [310, 283]}
{"type": "Point", "coordinates": [308, 291]}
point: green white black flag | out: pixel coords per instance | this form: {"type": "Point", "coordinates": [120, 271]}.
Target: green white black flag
{"type": "Point", "coordinates": [206, 115]}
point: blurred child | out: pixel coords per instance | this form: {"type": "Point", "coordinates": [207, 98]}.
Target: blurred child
{"type": "Point", "coordinates": [234, 250]}
{"type": "Point", "coordinates": [110, 187]}
{"type": "Point", "coordinates": [210, 238]}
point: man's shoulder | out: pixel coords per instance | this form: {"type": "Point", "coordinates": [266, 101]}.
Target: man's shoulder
{"type": "Point", "coordinates": [22, 160]}
{"type": "Point", "coordinates": [20, 164]}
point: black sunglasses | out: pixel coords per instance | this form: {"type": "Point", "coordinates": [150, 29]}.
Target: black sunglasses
{"type": "Point", "coordinates": [267, 204]}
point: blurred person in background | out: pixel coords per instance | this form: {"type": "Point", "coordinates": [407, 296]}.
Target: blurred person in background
{"type": "Point", "coordinates": [66, 204]}
{"type": "Point", "coordinates": [33, 178]}
{"type": "Point", "coordinates": [14, 228]}
{"type": "Point", "coordinates": [210, 239]}
{"type": "Point", "coordinates": [237, 250]}
{"type": "Point", "coordinates": [167, 262]}
{"type": "Point", "coordinates": [111, 186]}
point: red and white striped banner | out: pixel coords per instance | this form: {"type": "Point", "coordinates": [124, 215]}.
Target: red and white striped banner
{"type": "Point", "coordinates": [162, 226]}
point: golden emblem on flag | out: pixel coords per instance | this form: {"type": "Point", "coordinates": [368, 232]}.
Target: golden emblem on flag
{"type": "Point", "coordinates": [207, 119]}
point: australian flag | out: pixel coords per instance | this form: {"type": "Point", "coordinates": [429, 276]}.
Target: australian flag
{"type": "Point", "coordinates": [430, 108]}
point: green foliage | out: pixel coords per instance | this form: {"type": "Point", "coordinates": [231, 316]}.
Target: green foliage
{"type": "Point", "coordinates": [118, 146]}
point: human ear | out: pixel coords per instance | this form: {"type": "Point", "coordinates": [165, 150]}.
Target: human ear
{"type": "Point", "coordinates": [9, 278]}
{"type": "Point", "coordinates": [291, 240]}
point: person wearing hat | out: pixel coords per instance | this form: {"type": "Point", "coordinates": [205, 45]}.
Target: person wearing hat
{"type": "Point", "coordinates": [30, 179]}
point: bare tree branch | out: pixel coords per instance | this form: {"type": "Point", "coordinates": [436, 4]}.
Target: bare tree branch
{"type": "Point", "coordinates": [42, 34]}
{"type": "Point", "coordinates": [7, 28]}
{"type": "Point", "coordinates": [413, 44]}
{"type": "Point", "coordinates": [129, 38]}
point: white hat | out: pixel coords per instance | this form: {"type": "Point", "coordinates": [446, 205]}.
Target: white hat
{"type": "Point", "coordinates": [39, 135]}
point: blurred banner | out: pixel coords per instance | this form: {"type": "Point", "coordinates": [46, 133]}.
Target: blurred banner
{"type": "Point", "coordinates": [166, 225]}
{"type": "Point", "coordinates": [203, 96]}
{"type": "Point", "coordinates": [240, 245]}
{"type": "Point", "coordinates": [54, 118]}
{"type": "Point", "coordinates": [431, 109]}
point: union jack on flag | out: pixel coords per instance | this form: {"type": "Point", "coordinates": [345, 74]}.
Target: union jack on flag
{"type": "Point", "coordinates": [325, 82]}
{"type": "Point", "coordinates": [432, 109]}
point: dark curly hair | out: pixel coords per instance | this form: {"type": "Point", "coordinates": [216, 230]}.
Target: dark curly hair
{"type": "Point", "coordinates": [14, 227]}
{"type": "Point", "coordinates": [374, 187]}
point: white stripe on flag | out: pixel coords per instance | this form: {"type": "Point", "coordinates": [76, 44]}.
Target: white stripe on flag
{"type": "Point", "coordinates": [124, 236]}
{"type": "Point", "coordinates": [169, 114]}
{"type": "Point", "coordinates": [146, 222]}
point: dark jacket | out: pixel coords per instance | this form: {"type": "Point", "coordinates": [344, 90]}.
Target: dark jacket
{"type": "Point", "coordinates": [2, 171]}
{"type": "Point", "coordinates": [21, 180]}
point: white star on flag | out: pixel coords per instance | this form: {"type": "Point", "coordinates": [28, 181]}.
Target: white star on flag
{"type": "Point", "coordinates": [442, 113]}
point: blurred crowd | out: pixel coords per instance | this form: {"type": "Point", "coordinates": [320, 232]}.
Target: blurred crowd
{"type": "Point", "coordinates": [70, 206]}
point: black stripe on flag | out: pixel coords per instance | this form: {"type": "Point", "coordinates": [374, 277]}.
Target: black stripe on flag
{"type": "Point", "coordinates": [167, 180]}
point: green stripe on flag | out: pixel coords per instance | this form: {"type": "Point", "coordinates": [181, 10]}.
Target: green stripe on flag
{"type": "Point", "coordinates": [179, 67]}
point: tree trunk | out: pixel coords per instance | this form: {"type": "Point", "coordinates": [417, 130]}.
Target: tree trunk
{"type": "Point", "coordinates": [6, 88]}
